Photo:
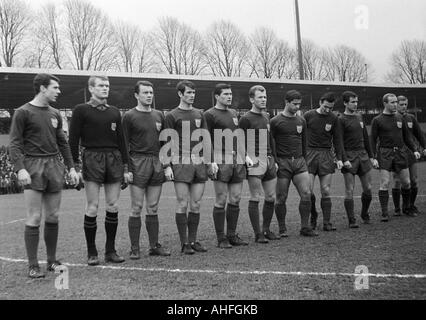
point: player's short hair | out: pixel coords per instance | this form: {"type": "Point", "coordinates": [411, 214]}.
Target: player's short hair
{"type": "Point", "coordinates": [402, 98]}
{"type": "Point", "coordinates": [328, 96]}
{"type": "Point", "coordinates": [347, 95]}
{"type": "Point", "coordinates": [252, 91]}
{"type": "Point", "coordinates": [183, 84]}
{"type": "Point", "coordinates": [386, 97]}
{"type": "Point", "coordinates": [221, 86]}
{"type": "Point", "coordinates": [92, 80]}
{"type": "Point", "coordinates": [142, 83]}
{"type": "Point", "coordinates": [292, 95]}
{"type": "Point", "coordinates": [43, 79]}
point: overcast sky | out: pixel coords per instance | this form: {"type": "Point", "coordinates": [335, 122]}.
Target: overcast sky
{"type": "Point", "coordinates": [326, 22]}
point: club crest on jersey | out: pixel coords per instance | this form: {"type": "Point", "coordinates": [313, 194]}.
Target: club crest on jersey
{"type": "Point", "coordinates": [327, 127]}
{"type": "Point", "coordinates": [299, 129]}
{"type": "Point", "coordinates": [410, 125]}
{"type": "Point", "coordinates": [361, 124]}
{"type": "Point", "coordinates": [113, 126]}
{"type": "Point", "coordinates": [54, 122]}
{"type": "Point", "coordinates": [198, 123]}
{"type": "Point", "coordinates": [235, 121]}
{"type": "Point", "coordinates": [158, 124]}
{"type": "Point", "coordinates": [399, 124]}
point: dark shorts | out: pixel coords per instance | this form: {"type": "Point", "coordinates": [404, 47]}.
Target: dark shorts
{"type": "Point", "coordinates": [360, 162]}
{"type": "Point", "coordinates": [190, 173]}
{"type": "Point", "coordinates": [231, 173]}
{"type": "Point", "coordinates": [47, 174]}
{"type": "Point", "coordinates": [290, 167]}
{"type": "Point", "coordinates": [393, 159]}
{"type": "Point", "coordinates": [147, 170]}
{"type": "Point", "coordinates": [104, 166]}
{"type": "Point", "coordinates": [320, 162]}
{"type": "Point", "coordinates": [265, 170]}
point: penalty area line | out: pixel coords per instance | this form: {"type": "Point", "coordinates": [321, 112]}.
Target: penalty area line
{"type": "Point", "coordinates": [235, 272]}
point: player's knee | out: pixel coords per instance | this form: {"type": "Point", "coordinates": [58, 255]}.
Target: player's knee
{"type": "Point", "coordinates": [136, 210]}
{"type": "Point", "coordinates": [92, 209]}
{"type": "Point", "coordinates": [349, 193]}
{"type": "Point", "coordinates": [270, 197]}
{"type": "Point", "coordinates": [111, 207]}
{"type": "Point", "coordinates": [220, 200]}
{"type": "Point", "coordinates": [405, 184]}
{"type": "Point", "coordinates": [397, 184]}
{"type": "Point", "coordinates": [34, 219]}
{"type": "Point", "coordinates": [413, 183]}
{"type": "Point", "coordinates": [152, 209]}
{"type": "Point", "coordinates": [325, 191]}
{"type": "Point", "coordinates": [235, 199]}
{"type": "Point", "coordinates": [281, 198]}
{"type": "Point", "coordinates": [195, 206]}
{"type": "Point", "coordinates": [53, 217]}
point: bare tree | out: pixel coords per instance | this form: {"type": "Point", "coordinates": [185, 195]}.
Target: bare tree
{"type": "Point", "coordinates": [49, 32]}
{"type": "Point", "coordinates": [314, 60]}
{"type": "Point", "coordinates": [409, 63]}
{"type": "Point", "coordinates": [179, 48]}
{"type": "Point", "coordinates": [15, 20]}
{"type": "Point", "coordinates": [127, 37]}
{"type": "Point", "coordinates": [90, 36]}
{"type": "Point", "coordinates": [345, 64]}
{"type": "Point", "coordinates": [145, 54]}
{"type": "Point", "coordinates": [227, 49]}
{"type": "Point", "coordinates": [270, 57]}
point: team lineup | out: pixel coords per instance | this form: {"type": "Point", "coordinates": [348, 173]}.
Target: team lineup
{"type": "Point", "coordinates": [127, 150]}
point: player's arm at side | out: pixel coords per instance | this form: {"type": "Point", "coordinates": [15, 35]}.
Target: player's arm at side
{"type": "Point", "coordinates": [16, 144]}
{"type": "Point", "coordinates": [75, 134]}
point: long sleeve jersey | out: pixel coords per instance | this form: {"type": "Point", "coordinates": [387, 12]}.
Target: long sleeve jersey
{"type": "Point", "coordinates": [37, 132]}
{"type": "Point", "coordinates": [289, 135]}
{"type": "Point", "coordinates": [142, 131]}
{"type": "Point", "coordinates": [354, 134]}
{"type": "Point", "coordinates": [323, 132]}
{"type": "Point", "coordinates": [391, 131]}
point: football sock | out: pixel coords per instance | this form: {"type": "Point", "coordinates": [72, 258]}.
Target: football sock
{"type": "Point", "coordinates": [232, 214]}
{"type": "Point", "coordinates": [182, 226]}
{"type": "Point", "coordinates": [135, 225]}
{"type": "Point", "coordinates": [349, 207]}
{"type": "Point", "coordinates": [280, 213]}
{"type": "Point", "coordinates": [405, 193]}
{"type": "Point", "coordinates": [413, 196]}
{"type": "Point", "coordinates": [396, 198]}
{"type": "Point", "coordinates": [267, 213]}
{"type": "Point", "coordinates": [326, 209]}
{"type": "Point", "coordinates": [152, 227]}
{"type": "Point", "coordinates": [365, 201]}
{"type": "Point", "coordinates": [111, 224]}
{"type": "Point", "coordinates": [90, 228]}
{"type": "Point", "coordinates": [304, 210]}
{"type": "Point", "coordinates": [253, 210]}
{"type": "Point", "coordinates": [193, 222]}
{"type": "Point", "coordinates": [219, 222]}
{"type": "Point", "coordinates": [384, 199]}
{"type": "Point", "coordinates": [51, 239]}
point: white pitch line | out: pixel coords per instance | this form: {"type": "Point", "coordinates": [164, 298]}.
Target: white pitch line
{"type": "Point", "coordinates": [238, 272]}
{"type": "Point", "coordinates": [10, 222]}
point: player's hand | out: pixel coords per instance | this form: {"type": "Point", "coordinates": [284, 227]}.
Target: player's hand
{"type": "Point", "coordinates": [75, 179]}
{"type": "Point", "coordinates": [339, 165]}
{"type": "Point", "coordinates": [417, 155]}
{"type": "Point", "coordinates": [249, 162]}
{"type": "Point", "coordinates": [128, 177]}
{"type": "Point", "coordinates": [375, 163]}
{"type": "Point", "coordinates": [214, 168]}
{"type": "Point", "coordinates": [424, 152]}
{"type": "Point", "coordinates": [347, 164]}
{"type": "Point", "coordinates": [24, 177]}
{"type": "Point", "coordinates": [168, 172]}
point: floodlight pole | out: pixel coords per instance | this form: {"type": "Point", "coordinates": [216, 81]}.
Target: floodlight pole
{"type": "Point", "coordinates": [299, 41]}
